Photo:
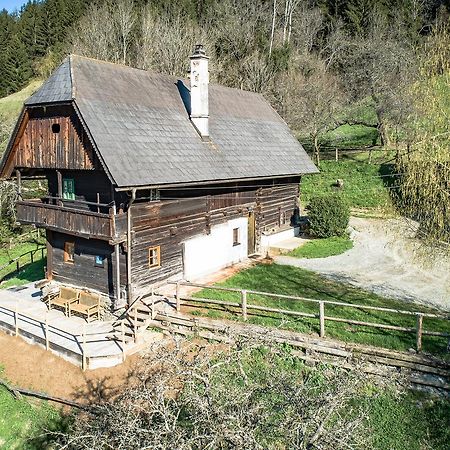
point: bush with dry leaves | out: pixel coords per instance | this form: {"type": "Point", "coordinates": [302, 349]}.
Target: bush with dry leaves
{"type": "Point", "coordinates": [251, 397]}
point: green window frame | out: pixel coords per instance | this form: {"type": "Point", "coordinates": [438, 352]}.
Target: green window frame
{"type": "Point", "coordinates": [68, 189]}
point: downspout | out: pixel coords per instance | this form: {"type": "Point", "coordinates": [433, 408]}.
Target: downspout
{"type": "Point", "coordinates": [129, 286]}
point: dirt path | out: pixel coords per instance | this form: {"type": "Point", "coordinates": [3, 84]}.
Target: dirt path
{"type": "Point", "coordinates": [32, 367]}
{"type": "Point", "coordinates": [385, 260]}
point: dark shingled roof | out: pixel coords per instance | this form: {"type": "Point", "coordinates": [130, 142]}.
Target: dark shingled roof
{"type": "Point", "coordinates": [142, 130]}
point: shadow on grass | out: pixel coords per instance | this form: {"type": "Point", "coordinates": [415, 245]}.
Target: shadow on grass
{"type": "Point", "coordinates": [27, 274]}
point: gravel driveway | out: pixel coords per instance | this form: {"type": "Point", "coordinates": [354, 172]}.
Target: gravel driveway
{"type": "Point", "coordinates": [385, 259]}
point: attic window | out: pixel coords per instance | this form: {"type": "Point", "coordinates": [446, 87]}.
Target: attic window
{"type": "Point", "coordinates": [56, 128]}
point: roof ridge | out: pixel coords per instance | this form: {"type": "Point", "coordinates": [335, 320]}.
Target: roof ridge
{"type": "Point", "coordinates": [72, 77]}
{"type": "Point", "coordinates": [117, 64]}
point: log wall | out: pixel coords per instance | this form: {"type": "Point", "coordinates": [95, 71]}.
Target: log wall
{"type": "Point", "coordinates": [82, 272]}
{"type": "Point", "coordinates": [171, 221]}
{"type": "Point", "coordinates": [40, 147]}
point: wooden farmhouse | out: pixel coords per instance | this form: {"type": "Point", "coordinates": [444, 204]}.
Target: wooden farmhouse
{"type": "Point", "coordinates": [151, 177]}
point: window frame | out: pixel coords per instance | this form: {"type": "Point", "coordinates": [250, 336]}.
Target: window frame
{"type": "Point", "coordinates": [102, 264]}
{"type": "Point", "coordinates": [157, 257]}
{"type": "Point", "coordinates": [154, 195]}
{"type": "Point", "coordinates": [236, 237]}
{"type": "Point", "coordinates": [66, 195]}
{"type": "Point", "coordinates": [69, 257]}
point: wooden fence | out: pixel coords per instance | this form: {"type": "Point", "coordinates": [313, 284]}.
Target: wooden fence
{"type": "Point", "coordinates": [243, 307]}
{"type": "Point", "coordinates": [20, 319]}
{"type": "Point", "coordinates": [18, 263]}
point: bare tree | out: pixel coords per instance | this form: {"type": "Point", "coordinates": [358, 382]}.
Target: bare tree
{"type": "Point", "coordinates": [198, 396]}
{"type": "Point", "coordinates": [312, 103]}
{"type": "Point", "coordinates": [124, 18]}
{"type": "Point", "coordinates": [95, 34]}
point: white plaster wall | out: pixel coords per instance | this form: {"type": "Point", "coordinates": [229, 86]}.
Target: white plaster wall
{"type": "Point", "coordinates": [207, 253]}
{"type": "Point", "coordinates": [268, 240]}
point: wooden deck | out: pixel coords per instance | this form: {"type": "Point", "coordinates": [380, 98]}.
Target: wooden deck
{"type": "Point", "coordinates": [70, 219]}
{"type": "Point", "coordinates": [94, 345]}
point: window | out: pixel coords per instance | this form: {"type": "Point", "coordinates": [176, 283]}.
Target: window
{"type": "Point", "coordinates": [236, 237]}
{"type": "Point", "coordinates": [68, 189]}
{"type": "Point", "coordinates": [154, 257]}
{"type": "Point", "coordinates": [154, 195]}
{"type": "Point", "coordinates": [56, 128]}
{"type": "Point", "coordinates": [69, 251]}
{"type": "Point", "coordinates": [99, 261]}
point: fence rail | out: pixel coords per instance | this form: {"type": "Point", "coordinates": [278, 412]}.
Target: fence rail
{"type": "Point", "coordinates": [20, 318]}
{"type": "Point", "coordinates": [16, 262]}
{"type": "Point", "coordinates": [244, 306]}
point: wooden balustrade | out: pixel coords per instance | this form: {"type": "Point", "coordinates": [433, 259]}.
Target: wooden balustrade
{"type": "Point", "coordinates": [69, 219]}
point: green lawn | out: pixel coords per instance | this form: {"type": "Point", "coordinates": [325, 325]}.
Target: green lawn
{"type": "Point", "coordinates": [365, 185]}
{"type": "Point", "coordinates": [351, 136]}
{"type": "Point", "coordinates": [294, 281]}
{"type": "Point", "coordinates": [24, 422]}
{"type": "Point", "coordinates": [321, 248]}
{"type": "Point", "coordinates": [29, 272]}
{"type": "Point", "coordinates": [11, 105]}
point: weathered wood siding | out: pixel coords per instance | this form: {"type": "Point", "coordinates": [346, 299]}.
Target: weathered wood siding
{"type": "Point", "coordinates": [82, 272]}
{"type": "Point", "coordinates": [40, 147]}
{"type": "Point", "coordinates": [169, 222]}
{"type": "Point", "coordinates": [90, 186]}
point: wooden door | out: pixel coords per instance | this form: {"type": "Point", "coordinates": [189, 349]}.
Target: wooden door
{"type": "Point", "coordinates": [251, 245]}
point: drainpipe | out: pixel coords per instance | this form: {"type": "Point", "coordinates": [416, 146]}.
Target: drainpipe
{"type": "Point", "coordinates": [129, 287]}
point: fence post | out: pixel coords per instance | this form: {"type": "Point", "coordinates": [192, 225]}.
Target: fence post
{"type": "Point", "coordinates": [135, 324]}
{"type": "Point", "coordinates": [178, 295]}
{"type": "Point", "coordinates": [47, 343]}
{"type": "Point", "coordinates": [83, 349]}
{"type": "Point", "coordinates": [337, 154]}
{"type": "Point", "coordinates": [244, 303]}
{"type": "Point", "coordinates": [322, 318]}
{"type": "Point", "coordinates": [32, 257]}
{"type": "Point", "coordinates": [419, 331]}
{"type": "Point", "coordinates": [122, 330]}
{"type": "Point", "coordinates": [16, 320]}
{"type": "Point", "coordinates": [18, 264]}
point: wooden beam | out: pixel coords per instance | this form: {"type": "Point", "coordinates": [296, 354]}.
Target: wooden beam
{"type": "Point", "coordinates": [60, 187]}
{"type": "Point", "coordinates": [19, 182]}
{"type": "Point", "coordinates": [49, 274]}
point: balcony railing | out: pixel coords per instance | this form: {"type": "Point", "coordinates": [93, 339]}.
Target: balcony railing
{"type": "Point", "coordinates": [80, 218]}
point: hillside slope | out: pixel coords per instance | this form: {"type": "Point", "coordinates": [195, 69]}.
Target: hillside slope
{"type": "Point", "coordinates": [10, 107]}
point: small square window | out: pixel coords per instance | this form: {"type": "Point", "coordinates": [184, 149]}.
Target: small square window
{"type": "Point", "coordinates": [236, 237]}
{"type": "Point", "coordinates": [154, 257]}
{"type": "Point", "coordinates": [99, 261]}
{"type": "Point", "coordinates": [154, 195]}
{"type": "Point", "coordinates": [69, 251]}
{"type": "Point", "coordinates": [56, 128]}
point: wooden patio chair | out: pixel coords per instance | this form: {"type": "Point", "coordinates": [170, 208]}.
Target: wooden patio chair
{"type": "Point", "coordinates": [88, 305]}
{"type": "Point", "coordinates": [64, 298]}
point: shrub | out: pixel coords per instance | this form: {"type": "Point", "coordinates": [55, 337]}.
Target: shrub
{"type": "Point", "coordinates": [328, 216]}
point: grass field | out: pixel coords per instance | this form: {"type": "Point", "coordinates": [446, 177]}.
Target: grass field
{"type": "Point", "coordinates": [365, 185]}
{"type": "Point", "coordinates": [321, 248]}
{"type": "Point", "coordinates": [23, 422]}
{"type": "Point", "coordinates": [294, 281]}
{"type": "Point", "coordinates": [11, 105]}
{"type": "Point", "coordinates": [29, 273]}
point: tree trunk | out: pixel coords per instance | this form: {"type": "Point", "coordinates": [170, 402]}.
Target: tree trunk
{"type": "Point", "coordinates": [273, 26]}
{"type": "Point", "coordinates": [317, 150]}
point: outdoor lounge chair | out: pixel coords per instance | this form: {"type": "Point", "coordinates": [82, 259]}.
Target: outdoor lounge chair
{"type": "Point", "coordinates": [64, 298]}
{"type": "Point", "coordinates": [88, 305]}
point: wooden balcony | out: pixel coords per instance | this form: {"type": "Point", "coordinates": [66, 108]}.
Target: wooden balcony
{"type": "Point", "coordinates": [73, 217]}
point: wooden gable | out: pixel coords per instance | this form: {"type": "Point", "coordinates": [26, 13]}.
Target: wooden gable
{"type": "Point", "coordinates": [51, 138]}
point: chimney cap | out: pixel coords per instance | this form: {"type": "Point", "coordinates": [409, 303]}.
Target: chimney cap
{"type": "Point", "coordinates": [199, 51]}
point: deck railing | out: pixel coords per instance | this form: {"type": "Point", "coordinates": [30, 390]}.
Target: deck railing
{"type": "Point", "coordinates": [73, 217]}
{"type": "Point", "coordinates": [81, 340]}
{"type": "Point", "coordinates": [244, 308]}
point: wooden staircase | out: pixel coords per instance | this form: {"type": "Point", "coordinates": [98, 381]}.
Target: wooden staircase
{"type": "Point", "coordinates": [132, 324]}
